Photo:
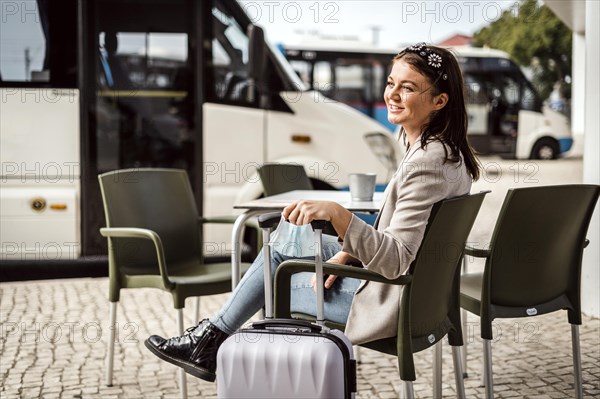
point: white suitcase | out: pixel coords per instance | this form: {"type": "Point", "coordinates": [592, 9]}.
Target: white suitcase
{"type": "Point", "coordinates": [283, 358]}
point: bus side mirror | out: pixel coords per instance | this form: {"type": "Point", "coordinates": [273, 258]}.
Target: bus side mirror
{"type": "Point", "coordinates": [257, 59]}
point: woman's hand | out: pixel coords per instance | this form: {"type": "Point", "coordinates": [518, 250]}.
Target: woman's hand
{"type": "Point", "coordinates": [341, 258]}
{"type": "Point", "coordinates": [305, 211]}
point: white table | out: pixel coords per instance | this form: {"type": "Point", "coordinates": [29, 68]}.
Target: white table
{"type": "Point", "coordinates": [280, 201]}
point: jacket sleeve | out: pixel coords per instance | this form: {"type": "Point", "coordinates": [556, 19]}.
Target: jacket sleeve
{"type": "Point", "coordinates": [389, 250]}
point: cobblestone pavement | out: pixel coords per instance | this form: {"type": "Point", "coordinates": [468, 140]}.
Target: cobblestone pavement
{"type": "Point", "coordinates": [54, 335]}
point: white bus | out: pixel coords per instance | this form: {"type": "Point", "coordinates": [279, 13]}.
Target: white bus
{"type": "Point", "coordinates": [506, 114]}
{"type": "Point", "coordinates": [92, 86]}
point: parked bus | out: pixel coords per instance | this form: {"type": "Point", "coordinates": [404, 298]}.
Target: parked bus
{"type": "Point", "coordinates": [92, 86]}
{"type": "Point", "coordinates": [506, 114]}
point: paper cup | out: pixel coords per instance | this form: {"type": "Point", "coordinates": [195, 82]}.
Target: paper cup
{"type": "Point", "coordinates": [362, 186]}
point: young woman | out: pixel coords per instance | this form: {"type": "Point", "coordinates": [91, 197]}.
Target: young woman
{"type": "Point", "coordinates": [424, 94]}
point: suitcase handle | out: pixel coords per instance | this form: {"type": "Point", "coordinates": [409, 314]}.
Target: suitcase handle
{"type": "Point", "coordinates": [286, 323]}
{"type": "Point", "coordinates": [318, 224]}
{"type": "Point", "coordinates": [269, 220]}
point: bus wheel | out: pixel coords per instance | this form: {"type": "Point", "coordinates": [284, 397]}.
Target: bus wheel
{"type": "Point", "coordinates": [545, 148]}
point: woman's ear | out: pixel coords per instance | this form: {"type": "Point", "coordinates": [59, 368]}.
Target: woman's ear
{"type": "Point", "coordinates": [440, 101]}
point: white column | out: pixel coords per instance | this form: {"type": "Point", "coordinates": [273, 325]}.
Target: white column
{"type": "Point", "coordinates": [590, 279]}
{"type": "Point", "coordinates": [578, 94]}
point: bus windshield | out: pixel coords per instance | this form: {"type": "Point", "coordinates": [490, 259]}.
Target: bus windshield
{"type": "Point", "coordinates": [501, 80]}
{"type": "Point", "coordinates": [290, 74]}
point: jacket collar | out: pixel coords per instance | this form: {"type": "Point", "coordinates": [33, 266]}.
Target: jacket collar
{"type": "Point", "coordinates": [411, 151]}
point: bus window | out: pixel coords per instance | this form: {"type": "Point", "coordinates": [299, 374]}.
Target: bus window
{"type": "Point", "coordinates": [529, 98]}
{"type": "Point", "coordinates": [474, 91]}
{"type": "Point", "coordinates": [477, 106]}
{"type": "Point", "coordinates": [230, 59]}
{"type": "Point", "coordinates": [141, 60]}
{"type": "Point", "coordinates": [350, 85]}
{"type": "Point", "coordinates": [143, 101]}
{"type": "Point", "coordinates": [23, 49]}
{"type": "Point", "coordinates": [509, 89]}
{"type": "Point", "coordinates": [324, 79]}
{"type": "Point", "coordinates": [26, 57]}
{"type": "Point", "coordinates": [379, 77]}
{"type": "Point", "coordinates": [302, 69]}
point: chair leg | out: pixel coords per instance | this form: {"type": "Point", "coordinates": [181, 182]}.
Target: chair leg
{"type": "Point", "coordinates": [409, 393]}
{"type": "Point", "coordinates": [110, 356]}
{"type": "Point", "coordinates": [197, 310]}
{"type": "Point", "coordinates": [458, 372]}
{"type": "Point", "coordinates": [576, 361]}
{"type": "Point", "coordinates": [182, 377]}
{"type": "Point", "coordinates": [437, 370]}
{"type": "Point", "coordinates": [465, 332]}
{"type": "Point", "coordinates": [487, 369]}
{"type": "Point", "coordinates": [464, 329]}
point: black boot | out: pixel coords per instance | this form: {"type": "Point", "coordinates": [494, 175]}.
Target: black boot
{"type": "Point", "coordinates": [195, 351]}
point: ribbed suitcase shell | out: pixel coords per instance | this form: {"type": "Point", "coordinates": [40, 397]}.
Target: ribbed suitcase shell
{"type": "Point", "coordinates": [284, 362]}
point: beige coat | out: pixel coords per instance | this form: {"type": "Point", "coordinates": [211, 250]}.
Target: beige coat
{"type": "Point", "coordinates": [389, 247]}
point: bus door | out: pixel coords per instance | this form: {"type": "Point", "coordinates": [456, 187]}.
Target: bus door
{"type": "Point", "coordinates": [505, 98]}
{"type": "Point", "coordinates": [478, 113]}
{"type": "Point", "coordinates": [139, 96]}
{"type": "Point", "coordinates": [493, 104]}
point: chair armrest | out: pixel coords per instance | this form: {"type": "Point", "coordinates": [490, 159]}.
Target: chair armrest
{"type": "Point", "coordinates": [476, 252]}
{"type": "Point", "coordinates": [135, 232]}
{"type": "Point", "coordinates": [283, 277]}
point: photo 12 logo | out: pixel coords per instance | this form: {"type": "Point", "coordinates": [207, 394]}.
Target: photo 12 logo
{"type": "Point", "coordinates": [65, 331]}
{"type": "Point", "coordinates": [292, 11]}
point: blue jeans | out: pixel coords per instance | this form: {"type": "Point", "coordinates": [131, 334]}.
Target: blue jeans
{"type": "Point", "coordinates": [249, 295]}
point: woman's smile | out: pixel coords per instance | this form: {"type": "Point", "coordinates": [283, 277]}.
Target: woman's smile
{"type": "Point", "coordinates": [394, 108]}
{"type": "Point", "coordinates": [409, 101]}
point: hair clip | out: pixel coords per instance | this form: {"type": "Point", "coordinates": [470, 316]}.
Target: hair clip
{"type": "Point", "coordinates": [433, 58]}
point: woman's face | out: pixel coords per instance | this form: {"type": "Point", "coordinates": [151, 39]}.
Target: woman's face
{"type": "Point", "coordinates": [409, 98]}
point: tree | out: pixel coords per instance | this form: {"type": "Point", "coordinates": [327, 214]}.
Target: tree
{"type": "Point", "coordinates": [536, 39]}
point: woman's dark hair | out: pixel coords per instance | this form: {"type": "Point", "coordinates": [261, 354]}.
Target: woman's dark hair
{"type": "Point", "coordinates": [449, 124]}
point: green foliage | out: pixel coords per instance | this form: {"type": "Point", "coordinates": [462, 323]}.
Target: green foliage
{"type": "Point", "coordinates": [535, 38]}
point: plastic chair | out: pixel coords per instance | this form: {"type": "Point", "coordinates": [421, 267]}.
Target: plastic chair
{"type": "Point", "coordinates": [280, 178]}
{"type": "Point", "coordinates": [429, 308]}
{"type": "Point", "coordinates": [533, 264]}
{"type": "Point", "coordinates": [154, 240]}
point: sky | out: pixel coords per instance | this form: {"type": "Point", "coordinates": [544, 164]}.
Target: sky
{"type": "Point", "coordinates": [396, 22]}
{"type": "Point", "coordinates": [391, 24]}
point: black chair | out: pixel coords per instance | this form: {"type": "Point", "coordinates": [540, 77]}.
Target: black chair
{"type": "Point", "coordinates": [280, 178]}
{"type": "Point", "coordinates": [154, 240]}
{"type": "Point", "coordinates": [533, 264]}
{"type": "Point", "coordinates": [429, 308]}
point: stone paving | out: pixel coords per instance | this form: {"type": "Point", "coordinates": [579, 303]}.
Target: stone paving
{"type": "Point", "coordinates": [54, 335]}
